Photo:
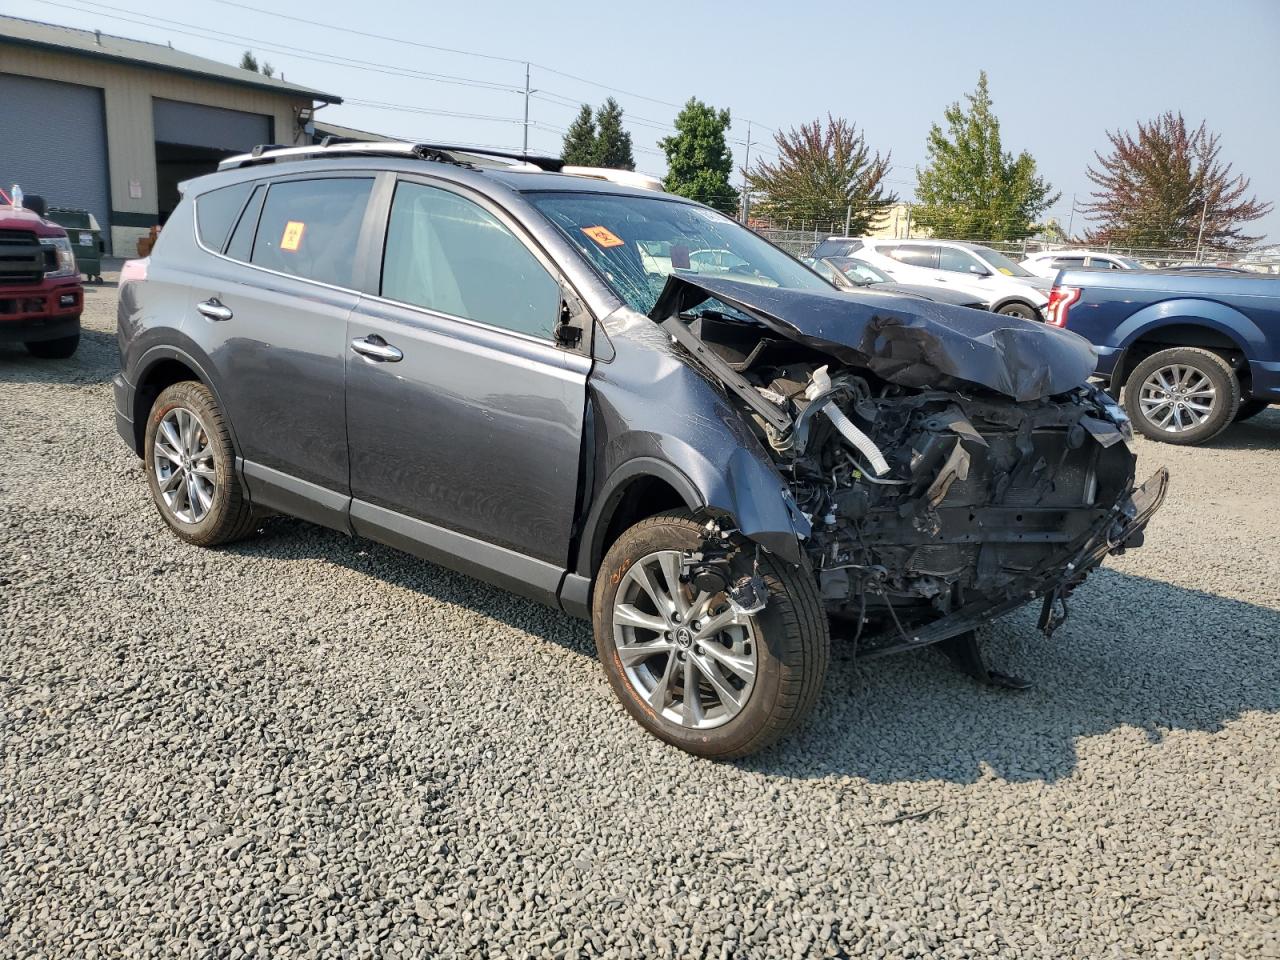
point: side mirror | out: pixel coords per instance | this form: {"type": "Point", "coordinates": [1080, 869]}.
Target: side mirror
{"type": "Point", "coordinates": [978, 271]}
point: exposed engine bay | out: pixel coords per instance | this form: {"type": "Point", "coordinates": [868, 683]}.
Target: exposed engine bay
{"type": "Point", "coordinates": [951, 465]}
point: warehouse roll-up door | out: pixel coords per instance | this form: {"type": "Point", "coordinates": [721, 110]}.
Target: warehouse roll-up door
{"type": "Point", "coordinates": [195, 125]}
{"type": "Point", "coordinates": [191, 138]}
{"type": "Point", "coordinates": [53, 142]}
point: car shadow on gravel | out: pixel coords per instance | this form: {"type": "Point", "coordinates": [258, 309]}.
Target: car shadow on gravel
{"type": "Point", "coordinates": [1261, 431]}
{"type": "Point", "coordinates": [1138, 655]}
{"type": "Point", "coordinates": [96, 360]}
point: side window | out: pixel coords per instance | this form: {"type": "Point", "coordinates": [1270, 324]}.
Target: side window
{"type": "Point", "coordinates": [449, 254]}
{"type": "Point", "coordinates": [309, 228]}
{"type": "Point", "coordinates": [1068, 263]}
{"type": "Point", "coordinates": [919, 255]}
{"type": "Point", "coordinates": [241, 245]}
{"type": "Point", "coordinates": [955, 260]}
{"type": "Point", "coordinates": [217, 211]}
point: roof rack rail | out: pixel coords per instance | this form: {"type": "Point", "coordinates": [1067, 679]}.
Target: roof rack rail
{"type": "Point", "coordinates": [346, 146]}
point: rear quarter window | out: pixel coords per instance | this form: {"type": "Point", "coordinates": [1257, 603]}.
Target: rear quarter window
{"type": "Point", "coordinates": [217, 211]}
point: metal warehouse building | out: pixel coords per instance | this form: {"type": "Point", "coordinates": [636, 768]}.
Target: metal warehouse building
{"type": "Point", "coordinates": [113, 125]}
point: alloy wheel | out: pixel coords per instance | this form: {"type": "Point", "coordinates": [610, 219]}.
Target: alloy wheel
{"type": "Point", "coordinates": [692, 659]}
{"type": "Point", "coordinates": [182, 459]}
{"type": "Point", "coordinates": [1177, 398]}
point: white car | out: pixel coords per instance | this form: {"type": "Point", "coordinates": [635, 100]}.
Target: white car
{"type": "Point", "coordinates": [970, 268]}
{"type": "Point", "coordinates": [1047, 263]}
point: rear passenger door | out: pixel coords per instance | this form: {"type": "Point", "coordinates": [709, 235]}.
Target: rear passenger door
{"type": "Point", "coordinates": [464, 416]}
{"type": "Point", "coordinates": [272, 311]}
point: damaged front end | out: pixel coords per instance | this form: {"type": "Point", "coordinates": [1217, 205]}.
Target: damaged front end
{"type": "Point", "coordinates": [952, 464]}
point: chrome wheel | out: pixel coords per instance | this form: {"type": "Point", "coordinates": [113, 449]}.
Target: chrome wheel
{"type": "Point", "coordinates": [691, 659]}
{"type": "Point", "coordinates": [1177, 398]}
{"type": "Point", "coordinates": [182, 458]}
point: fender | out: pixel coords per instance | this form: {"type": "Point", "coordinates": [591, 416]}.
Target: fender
{"type": "Point", "coordinates": [167, 351]}
{"type": "Point", "coordinates": [1218, 317]}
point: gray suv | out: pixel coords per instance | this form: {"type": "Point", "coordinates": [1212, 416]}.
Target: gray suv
{"type": "Point", "coordinates": [620, 403]}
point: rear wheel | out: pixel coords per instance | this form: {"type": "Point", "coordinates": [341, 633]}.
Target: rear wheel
{"type": "Point", "coordinates": [1184, 395]}
{"type": "Point", "coordinates": [1250, 409]}
{"type": "Point", "coordinates": [691, 668]}
{"type": "Point", "coordinates": [190, 466]}
{"type": "Point", "coordinates": [1023, 310]}
{"type": "Point", "coordinates": [58, 349]}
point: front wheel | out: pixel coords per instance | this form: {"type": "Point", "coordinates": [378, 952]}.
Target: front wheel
{"type": "Point", "coordinates": [1023, 310]}
{"type": "Point", "coordinates": [58, 349]}
{"type": "Point", "coordinates": [1184, 395]}
{"type": "Point", "coordinates": [691, 668]}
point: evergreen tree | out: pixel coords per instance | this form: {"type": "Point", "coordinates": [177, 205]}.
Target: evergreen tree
{"type": "Point", "coordinates": [613, 142]}
{"type": "Point", "coordinates": [699, 162]}
{"type": "Point", "coordinates": [1155, 187]}
{"type": "Point", "coordinates": [823, 171]}
{"type": "Point", "coordinates": [249, 61]}
{"type": "Point", "coordinates": [579, 148]}
{"type": "Point", "coordinates": [971, 188]}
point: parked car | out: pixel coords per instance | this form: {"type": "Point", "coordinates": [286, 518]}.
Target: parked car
{"type": "Point", "coordinates": [970, 268]}
{"type": "Point", "coordinates": [41, 297]}
{"type": "Point", "coordinates": [1047, 263]}
{"type": "Point", "coordinates": [475, 361]}
{"type": "Point", "coordinates": [1189, 352]}
{"type": "Point", "coordinates": [849, 273]}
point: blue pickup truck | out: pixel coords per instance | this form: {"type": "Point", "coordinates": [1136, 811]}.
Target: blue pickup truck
{"type": "Point", "coordinates": [1189, 353]}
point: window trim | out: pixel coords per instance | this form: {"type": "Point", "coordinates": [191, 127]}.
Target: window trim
{"type": "Point", "coordinates": [358, 269]}
{"type": "Point", "coordinates": [384, 195]}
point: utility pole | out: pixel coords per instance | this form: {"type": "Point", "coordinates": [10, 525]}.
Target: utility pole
{"type": "Point", "coordinates": [527, 91]}
{"type": "Point", "coordinates": [746, 164]}
{"type": "Point", "coordinates": [848, 215]}
{"type": "Point", "coordinates": [1200, 233]}
{"type": "Point", "coordinates": [1072, 218]}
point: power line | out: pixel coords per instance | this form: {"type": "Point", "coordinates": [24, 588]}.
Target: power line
{"type": "Point", "coordinates": [300, 52]}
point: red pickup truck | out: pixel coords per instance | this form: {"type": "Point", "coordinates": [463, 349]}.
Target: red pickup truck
{"type": "Point", "coordinates": [41, 297]}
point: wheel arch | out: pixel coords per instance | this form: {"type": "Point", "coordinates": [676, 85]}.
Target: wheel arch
{"type": "Point", "coordinates": [161, 367]}
{"type": "Point", "coordinates": [1165, 333]}
{"type": "Point", "coordinates": [638, 489]}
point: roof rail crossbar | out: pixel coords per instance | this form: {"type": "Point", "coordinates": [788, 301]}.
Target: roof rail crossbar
{"type": "Point", "coordinates": [338, 146]}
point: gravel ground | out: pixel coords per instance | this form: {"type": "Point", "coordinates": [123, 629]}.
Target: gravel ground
{"type": "Point", "coordinates": [307, 745]}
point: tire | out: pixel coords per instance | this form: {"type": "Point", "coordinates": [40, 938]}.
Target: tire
{"type": "Point", "coordinates": [1023, 310]}
{"type": "Point", "coordinates": [58, 349]}
{"type": "Point", "coordinates": [1250, 409]}
{"type": "Point", "coordinates": [1188, 369]}
{"type": "Point", "coordinates": [217, 510]}
{"type": "Point", "coordinates": [788, 641]}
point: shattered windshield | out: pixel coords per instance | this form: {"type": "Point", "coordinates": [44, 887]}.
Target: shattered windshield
{"type": "Point", "coordinates": [637, 242]}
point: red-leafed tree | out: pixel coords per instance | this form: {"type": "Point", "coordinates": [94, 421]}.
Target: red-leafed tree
{"type": "Point", "coordinates": [1156, 184]}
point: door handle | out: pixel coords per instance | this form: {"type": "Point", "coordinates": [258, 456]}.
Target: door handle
{"type": "Point", "coordinates": [375, 348]}
{"type": "Point", "coordinates": [214, 309]}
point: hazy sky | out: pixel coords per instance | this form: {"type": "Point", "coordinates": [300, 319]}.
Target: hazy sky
{"type": "Point", "coordinates": [1061, 73]}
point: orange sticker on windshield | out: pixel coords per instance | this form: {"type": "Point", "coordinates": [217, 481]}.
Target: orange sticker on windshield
{"type": "Point", "coordinates": [603, 236]}
{"type": "Point", "coordinates": [292, 237]}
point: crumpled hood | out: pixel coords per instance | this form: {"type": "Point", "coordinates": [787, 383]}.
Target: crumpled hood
{"type": "Point", "coordinates": [913, 343]}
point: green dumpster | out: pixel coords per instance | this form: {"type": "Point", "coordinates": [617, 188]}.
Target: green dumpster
{"type": "Point", "coordinates": [86, 238]}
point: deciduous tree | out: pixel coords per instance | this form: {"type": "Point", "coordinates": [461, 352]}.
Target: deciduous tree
{"type": "Point", "coordinates": [1156, 184]}
{"type": "Point", "coordinates": [971, 187]}
{"type": "Point", "coordinates": [699, 162]}
{"type": "Point", "coordinates": [822, 172]}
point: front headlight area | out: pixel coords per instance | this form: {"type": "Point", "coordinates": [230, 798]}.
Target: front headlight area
{"type": "Point", "coordinates": [59, 258]}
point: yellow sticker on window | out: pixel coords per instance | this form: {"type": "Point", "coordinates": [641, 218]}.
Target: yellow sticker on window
{"type": "Point", "coordinates": [292, 236]}
{"type": "Point", "coordinates": [603, 236]}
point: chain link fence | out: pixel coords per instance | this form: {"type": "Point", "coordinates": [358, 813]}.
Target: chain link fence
{"type": "Point", "coordinates": [799, 238]}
